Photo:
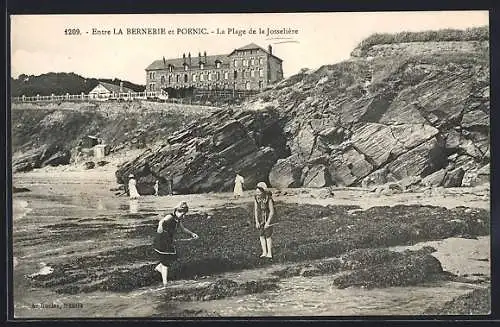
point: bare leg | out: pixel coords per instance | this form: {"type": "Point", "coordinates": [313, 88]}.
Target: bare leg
{"type": "Point", "coordinates": [269, 243]}
{"type": "Point", "coordinates": [263, 244]}
{"type": "Point", "coordinates": [164, 274]}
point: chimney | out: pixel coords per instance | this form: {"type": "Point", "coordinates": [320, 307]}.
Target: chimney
{"type": "Point", "coordinates": [164, 61]}
{"type": "Point", "coordinates": [189, 58]}
{"type": "Point", "coordinates": [199, 56]}
{"type": "Point", "coordinates": [121, 87]}
{"type": "Point", "coordinates": [184, 58]}
{"type": "Point", "coordinates": [205, 55]}
{"type": "Point", "coordinates": [270, 49]}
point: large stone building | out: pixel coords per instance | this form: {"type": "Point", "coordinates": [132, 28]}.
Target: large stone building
{"type": "Point", "coordinates": [247, 68]}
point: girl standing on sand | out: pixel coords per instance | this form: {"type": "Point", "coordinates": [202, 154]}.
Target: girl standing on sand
{"type": "Point", "coordinates": [157, 187]}
{"type": "Point", "coordinates": [264, 214]}
{"type": "Point", "coordinates": [132, 189]}
{"type": "Point", "coordinates": [238, 186]}
{"type": "Point", "coordinates": [164, 239]}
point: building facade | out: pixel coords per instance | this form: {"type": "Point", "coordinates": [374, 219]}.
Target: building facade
{"type": "Point", "coordinates": [246, 68]}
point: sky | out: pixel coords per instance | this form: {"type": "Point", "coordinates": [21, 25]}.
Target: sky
{"type": "Point", "coordinates": [40, 45]}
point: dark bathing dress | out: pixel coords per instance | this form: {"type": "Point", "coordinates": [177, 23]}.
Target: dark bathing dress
{"type": "Point", "coordinates": [263, 214]}
{"type": "Point", "coordinates": [163, 243]}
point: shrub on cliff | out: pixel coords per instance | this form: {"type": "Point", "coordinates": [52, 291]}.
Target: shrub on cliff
{"type": "Point", "coordinates": [469, 34]}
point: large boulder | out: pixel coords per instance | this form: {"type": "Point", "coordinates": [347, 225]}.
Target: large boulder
{"type": "Point", "coordinates": [454, 178]}
{"type": "Point", "coordinates": [318, 176]}
{"type": "Point", "coordinates": [303, 144]}
{"type": "Point", "coordinates": [382, 268]}
{"type": "Point", "coordinates": [477, 176]}
{"type": "Point", "coordinates": [59, 158]}
{"type": "Point", "coordinates": [420, 161]}
{"type": "Point", "coordinates": [434, 179]}
{"type": "Point", "coordinates": [475, 118]}
{"type": "Point", "coordinates": [349, 167]}
{"type": "Point", "coordinates": [286, 173]}
{"type": "Point", "coordinates": [381, 143]}
{"type": "Point", "coordinates": [34, 158]}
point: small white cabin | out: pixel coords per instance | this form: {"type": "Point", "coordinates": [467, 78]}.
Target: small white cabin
{"type": "Point", "coordinates": [105, 91]}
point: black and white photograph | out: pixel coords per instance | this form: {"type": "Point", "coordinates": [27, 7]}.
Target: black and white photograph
{"type": "Point", "coordinates": [250, 165]}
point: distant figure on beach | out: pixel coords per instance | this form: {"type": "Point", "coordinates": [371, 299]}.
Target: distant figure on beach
{"type": "Point", "coordinates": [164, 239]}
{"type": "Point", "coordinates": [132, 189]}
{"type": "Point", "coordinates": [264, 218]}
{"type": "Point", "coordinates": [170, 184]}
{"type": "Point", "coordinates": [238, 186]}
{"type": "Point", "coordinates": [157, 186]}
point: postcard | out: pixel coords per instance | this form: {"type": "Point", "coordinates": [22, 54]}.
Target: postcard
{"type": "Point", "coordinates": [250, 165]}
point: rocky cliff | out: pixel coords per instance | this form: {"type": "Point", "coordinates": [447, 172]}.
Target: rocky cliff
{"type": "Point", "coordinates": [415, 113]}
{"type": "Point", "coordinates": [49, 134]}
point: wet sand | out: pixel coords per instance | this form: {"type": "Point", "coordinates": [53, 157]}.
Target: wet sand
{"type": "Point", "coordinates": [94, 212]}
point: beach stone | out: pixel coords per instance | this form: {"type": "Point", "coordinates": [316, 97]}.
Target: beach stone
{"type": "Point", "coordinates": [89, 165]}
{"type": "Point", "coordinates": [454, 178]}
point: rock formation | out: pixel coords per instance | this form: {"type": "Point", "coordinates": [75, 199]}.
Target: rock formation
{"type": "Point", "coordinates": [391, 112]}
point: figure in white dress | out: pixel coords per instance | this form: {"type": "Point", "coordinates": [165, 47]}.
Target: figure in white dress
{"type": "Point", "coordinates": [132, 189]}
{"type": "Point", "coordinates": [238, 186]}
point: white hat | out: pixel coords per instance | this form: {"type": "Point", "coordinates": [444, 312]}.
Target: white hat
{"type": "Point", "coordinates": [131, 175]}
{"type": "Point", "coordinates": [262, 185]}
{"type": "Point", "coordinates": [182, 206]}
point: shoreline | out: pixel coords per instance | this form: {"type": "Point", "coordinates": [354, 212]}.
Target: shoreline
{"type": "Point", "coordinates": [473, 197]}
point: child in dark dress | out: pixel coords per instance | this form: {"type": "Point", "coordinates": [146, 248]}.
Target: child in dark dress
{"type": "Point", "coordinates": [164, 239]}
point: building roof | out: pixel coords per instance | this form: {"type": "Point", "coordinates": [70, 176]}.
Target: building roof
{"type": "Point", "coordinates": [250, 46]}
{"type": "Point", "coordinates": [179, 62]}
{"type": "Point", "coordinates": [115, 88]}
{"type": "Point", "coordinates": [253, 46]}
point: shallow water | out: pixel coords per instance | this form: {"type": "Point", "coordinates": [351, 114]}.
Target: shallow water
{"type": "Point", "coordinates": [38, 239]}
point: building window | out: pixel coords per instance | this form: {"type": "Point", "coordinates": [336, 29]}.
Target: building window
{"type": "Point", "coordinates": [235, 63]}
{"type": "Point", "coordinates": [261, 61]}
{"type": "Point", "coordinates": [185, 78]}
{"type": "Point", "coordinates": [170, 68]}
{"type": "Point", "coordinates": [169, 79]}
{"type": "Point", "coordinates": [177, 78]}
{"type": "Point", "coordinates": [218, 76]}
{"type": "Point", "coordinates": [261, 73]}
{"type": "Point", "coordinates": [202, 65]}
{"type": "Point", "coordinates": [152, 86]}
{"type": "Point", "coordinates": [186, 67]}
{"type": "Point", "coordinates": [209, 76]}
{"type": "Point", "coordinates": [226, 75]}
{"type": "Point", "coordinates": [202, 77]}
{"type": "Point", "coordinates": [247, 85]}
{"type": "Point", "coordinates": [194, 77]}
{"type": "Point", "coordinates": [252, 73]}
{"type": "Point", "coordinates": [242, 74]}
{"type": "Point", "coordinates": [162, 79]}
{"type": "Point", "coordinates": [260, 84]}
{"type": "Point", "coordinates": [245, 62]}
{"type": "Point", "coordinates": [217, 64]}
{"type": "Point", "coordinates": [235, 74]}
